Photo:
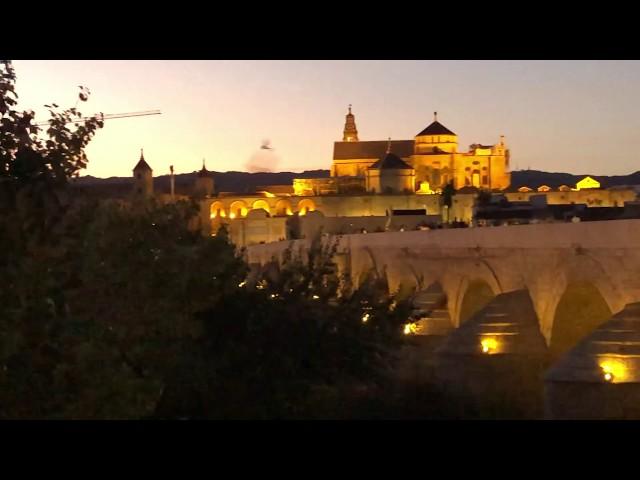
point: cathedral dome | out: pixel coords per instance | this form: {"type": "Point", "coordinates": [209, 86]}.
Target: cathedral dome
{"type": "Point", "coordinates": [435, 128]}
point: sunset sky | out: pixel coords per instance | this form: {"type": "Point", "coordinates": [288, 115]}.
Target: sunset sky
{"type": "Point", "coordinates": [571, 116]}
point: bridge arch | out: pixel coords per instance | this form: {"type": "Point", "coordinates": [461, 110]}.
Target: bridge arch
{"type": "Point", "coordinates": [469, 286]}
{"type": "Point", "coordinates": [217, 210]}
{"type": "Point", "coordinates": [305, 206]}
{"type": "Point", "coordinates": [567, 276]}
{"type": "Point", "coordinates": [477, 294]}
{"type": "Point", "coordinates": [580, 310]}
{"type": "Point", "coordinates": [283, 207]}
{"type": "Point", "coordinates": [238, 209]}
{"type": "Point", "coordinates": [261, 204]}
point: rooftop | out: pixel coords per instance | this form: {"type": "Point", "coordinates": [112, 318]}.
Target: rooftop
{"type": "Point", "coordinates": [371, 150]}
{"type": "Point", "coordinates": [391, 161]}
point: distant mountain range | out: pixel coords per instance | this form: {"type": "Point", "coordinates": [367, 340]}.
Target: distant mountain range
{"type": "Point", "coordinates": [238, 182]}
{"type": "Point", "coordinates": [243, 182]}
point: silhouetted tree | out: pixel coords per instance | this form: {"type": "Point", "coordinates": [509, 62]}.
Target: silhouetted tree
{"type": "Point", "coordinates": [35, 166]}
{"type": "Point", "coordinates": [448, 192]}
{"type": "Point", "coordinates": [484, 197]}
{"type": "Point", "coordinates": [113, 312]}
{"type": "Point", "coordinates": [300, 339]}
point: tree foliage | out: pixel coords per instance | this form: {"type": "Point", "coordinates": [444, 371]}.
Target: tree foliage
{"type": "Point", "coordinates": [483, 198]}
{"type": "Point", "coordinates": [112, 312]}
{"type": "Point", "coordinates": [300, 330]}
{"type": "Point", "coordinates": [448, 192]}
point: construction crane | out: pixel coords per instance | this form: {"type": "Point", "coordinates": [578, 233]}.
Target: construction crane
{"type": "Point", "coordinates": [109, 116]}
{"type": "Point", "coordinates": [83, 96]}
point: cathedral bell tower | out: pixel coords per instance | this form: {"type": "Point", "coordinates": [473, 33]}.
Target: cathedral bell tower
{"type": "Point", "coordinates": [350, 133]}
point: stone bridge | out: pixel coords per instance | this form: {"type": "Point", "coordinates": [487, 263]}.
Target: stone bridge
{"type": "Point", "coordinates": [533, 292]}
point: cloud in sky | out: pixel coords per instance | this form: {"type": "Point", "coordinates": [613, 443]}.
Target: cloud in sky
{"type": "Point", "coordinates": [264, 160]}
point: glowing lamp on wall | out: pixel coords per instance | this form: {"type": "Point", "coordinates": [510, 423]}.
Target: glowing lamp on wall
{"type": "Point", "coordinates": [613, 371]}
{"type": "Point", "coordinates": [410, 328]}
{"type": "Point", "coordinates": [488, 345]}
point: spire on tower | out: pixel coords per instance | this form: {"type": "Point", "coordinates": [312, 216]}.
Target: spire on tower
{"type": "Point", "coordinates": [203, 172]}
{"type": "Point", "coordinates": [389, 145]}
{"type": "Point", "coordinates": [142, 164]}
{"type": "Point", "coordinates": [435, 116]}
{"type": "Point", "coordinates": [350, 133]}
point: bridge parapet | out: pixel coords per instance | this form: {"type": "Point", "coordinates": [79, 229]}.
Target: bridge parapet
{"type": "Point", "coordinates": [616, 237]}
{"type": "Point", "coordinates": [542, 258]}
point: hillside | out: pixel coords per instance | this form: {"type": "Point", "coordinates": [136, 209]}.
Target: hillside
{"type": "Point", "coordinates": [240, 182]}
{"type": "Point", "coordinates": [243, 182]}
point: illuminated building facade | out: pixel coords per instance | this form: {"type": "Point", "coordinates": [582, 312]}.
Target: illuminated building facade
{"type": "Point", "coordinates": [371, 182]}
{"type": "Point", "coordinates": [432, 153]}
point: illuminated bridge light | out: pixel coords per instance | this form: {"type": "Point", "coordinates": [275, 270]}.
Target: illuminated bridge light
{"type": "Point", "coordinates": [613, 370]}
{"type": "Point", "coordinates": [488, 345]}
{"type": "Point", "coordinates": [410, 328]}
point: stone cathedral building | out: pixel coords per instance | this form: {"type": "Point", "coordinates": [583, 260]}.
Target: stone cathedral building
{"type": "Point", "coordinates": [374, 186]}
{"type": "Point", "coordinates": [430, 160]}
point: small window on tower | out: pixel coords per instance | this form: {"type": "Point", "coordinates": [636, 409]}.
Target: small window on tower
{"type": "Point", "coordinates": [138, 176]}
